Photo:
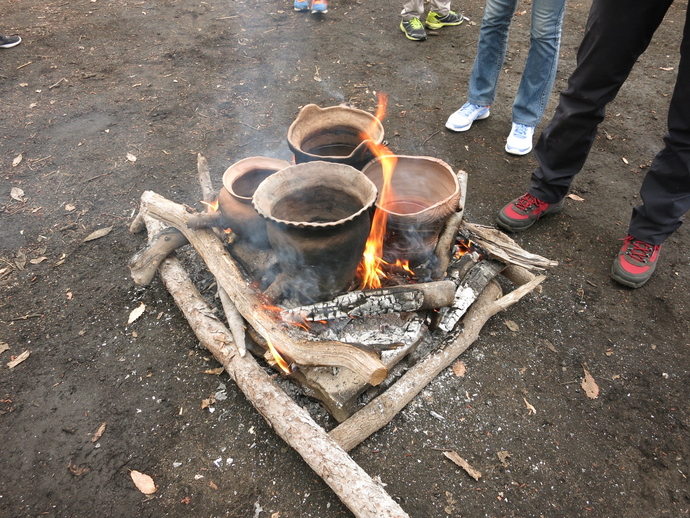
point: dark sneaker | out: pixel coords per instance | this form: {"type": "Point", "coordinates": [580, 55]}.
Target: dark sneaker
{"type": "Point", "coordinates": [521, 214]}
{"type": "Point", "coordinates": [635, 263]}
{"type": "Point", "coordinates": [413, 29]}
{"type": "Point", "coordinates": [319, 7]}
{"type": "Point", "coordinates": [7, 42]}
{"type": "Point", "coordinates": [435, 21]}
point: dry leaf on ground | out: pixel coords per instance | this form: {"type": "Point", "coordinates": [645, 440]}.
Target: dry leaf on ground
{"type": "Point", "coordinates": [574, 197]}
{"type": "Point", "coordinates": [131, 157]}
{"type": "Point", "coordinates": [99, 433]}
{"type": "Point", "coordinates": [459, 369]}
{"type": "Point", "coordinates": [17, 194]}
{"type": "Point", "coordinates": [531, 409]}
{"type": "Point", "coordinates": [96, 234]}
{"type": "Point", "coordinates": [136, 313]}
{"type": "Point", "coordinates": [17, 160]}
{"type": "Point", "coordinates": [19, 359]}
{"type": "Point", "coordinates": [589, 385]}
{"type": "Point", "coordinates": [143, 482]}
{"type": "Point", "coordinates": [457, 459]}
{"type": "Point", "coordinates": [217, 371]}
{"type": "Point", "coordinates": [513, 326]}
{"type": "Point", "coordinates": [503, 457]}
{"type": "Point", "coordinates": [4, 347]}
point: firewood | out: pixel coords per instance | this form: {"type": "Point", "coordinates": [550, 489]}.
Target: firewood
{"type": "Point", "coordinates": [395, 299]}
{"type": "Point", "coordinates": [144, 264]}
{"type": "Point", "coordinates": [249, 304]}
{"type": "Point", "coordinates": [236, 323]}
{"type": "Point", "coordinates": [380, 411]}
{"type": "Point", "coordinates": [444, 246]}
{"type": "Point", "coordinates": [353, 486]}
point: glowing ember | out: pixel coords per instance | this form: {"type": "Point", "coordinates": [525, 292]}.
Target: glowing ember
{"type": "Point", "coordinates": [369, 270]}
{"type": "Point", "coordinates": [463, 247]}
{"type": "Point", "coordinates": [278, 358]}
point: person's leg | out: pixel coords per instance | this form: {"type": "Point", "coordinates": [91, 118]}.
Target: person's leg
{"type": "Point", "coordinates": [617, 32]}
{"type": "Point", "coordinates": [441, 7]}
{"type": "Point", "coordinates": [542, 62]}
{"type": "Point", "coordinates": [412, 9]}
{"type": "Point", "coordinates": [491, 51]}
{"type": "Point", "coordinates": [665, 190]}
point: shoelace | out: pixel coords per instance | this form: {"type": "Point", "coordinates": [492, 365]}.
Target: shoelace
{"type": "Point", "coordinates": [527, 202]}
{"type": "Point", "coordinates": [520, 130]}
{"type": "Point", "coordinates": [468, 108]}
{"type": "Point", "coordinates": [638, 250]}
{"type": "Point", "coordinates": [416, 23]}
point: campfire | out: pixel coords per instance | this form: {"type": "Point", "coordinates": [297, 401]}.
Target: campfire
{"type": "Point", "coordinates": [360, 284]}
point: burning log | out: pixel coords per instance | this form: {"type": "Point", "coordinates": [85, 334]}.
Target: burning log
{"type": "Point", "coordinates": [396, 299]}
{"type": "Point", "coordinates": [380, 411]}
{"type": "Point", "coordinates": [444, 246]}
{"type": "Point", "coordinates": [248, 303]}
{"type": "Point", "coordinates": [355, 488]}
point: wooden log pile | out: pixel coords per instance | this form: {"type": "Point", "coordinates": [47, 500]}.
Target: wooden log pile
{"type": "Point", "coordinates": [337, 363]}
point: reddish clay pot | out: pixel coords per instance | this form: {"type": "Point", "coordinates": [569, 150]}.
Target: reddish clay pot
{"type": "Point", "coordinates": [426, 193]}
{"type": "Point", "coordinates": [318, 217]}
{"type": "Point", "coordinates": [235, 199]}
{"type": "Point", "coordinates": [334, 134]}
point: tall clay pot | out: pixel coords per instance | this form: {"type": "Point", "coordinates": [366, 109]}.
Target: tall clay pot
{"type": "Point", "coordinates": [235, 199]}
{"type": "Point", "coordinates": [426, 192]}
{"type": "Point", "coordinates": [337, 134]}
{"type": "Point", "coordinates": [318, 217]}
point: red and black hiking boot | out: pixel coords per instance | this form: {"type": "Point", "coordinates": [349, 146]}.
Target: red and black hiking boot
{"type": "Point", "coordinates": [521, 214]}
{"type": "Point", "coordinates": [635, 263]}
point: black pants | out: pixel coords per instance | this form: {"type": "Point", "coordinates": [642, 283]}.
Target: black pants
{"type": "Point", "coordinates": [617, 32]}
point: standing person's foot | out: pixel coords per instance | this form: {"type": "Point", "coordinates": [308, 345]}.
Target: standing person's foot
{"type": "Point", "coordinates": [413, 29]}
{"type": "Point", "coordinates": [319, 7]}
{"type": "Point", "coordinates": [635, 263]}
{"type": "Point", "coordinates": [462, 119]}
{"type": "Point", "coordinates": [301, 5]}
{"type": "Point", "coordinates": [7, 42]}
{"type": "Point", "coordinates": [436, 21]}
{"type": "Point", "coordinates": [520, 139]}
{"type": "Point", "coordinates": [520, 214]}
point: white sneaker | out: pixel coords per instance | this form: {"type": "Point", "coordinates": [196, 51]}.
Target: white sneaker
{"type": "Point", "coordinates": [462, 119]}
{"type": "Point", "coordinates": [520, 139]}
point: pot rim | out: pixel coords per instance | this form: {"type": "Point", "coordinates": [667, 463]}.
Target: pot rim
{"type": "Point", "coordinates": [317, 170]}
{"type": "Point", "coordinates": [456, 192]}
{"type": "Point", "coordinates": [248, 164]}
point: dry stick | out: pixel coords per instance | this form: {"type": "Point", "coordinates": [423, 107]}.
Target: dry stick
{"type": "Point", "coordinates": [354, 487]}
{"type": "Point", "coordinates": [380, 411]}
{"type": "Point", "coordinates": [229, 276]}
{"type": "Point", "coordinates": [235, 321]}
{"type": "Point", "coordinates": [444, 246]}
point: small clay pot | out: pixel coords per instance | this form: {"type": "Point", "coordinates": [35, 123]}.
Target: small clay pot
{"type": "Point", "coordinates": [426, 192]}
{"type": "Point", "coordinates": [318, 217]}
{"type": "Point", "coordinates": [337, 134]}
{"type": "Point", "coordinates": [235, 198]}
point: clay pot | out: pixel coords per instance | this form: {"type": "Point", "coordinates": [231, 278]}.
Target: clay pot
{"type": "Point", "coordinates": [334, 134]}
{"type": "Point", "coordinates": [235, 198]}
{"type": "Point", "coordinates": [318, 217]}
{"type": "Point", "coordinates": [426, 193]}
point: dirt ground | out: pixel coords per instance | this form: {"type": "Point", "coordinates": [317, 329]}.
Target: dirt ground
{"type": "Point", "coordinates": [97, 81]}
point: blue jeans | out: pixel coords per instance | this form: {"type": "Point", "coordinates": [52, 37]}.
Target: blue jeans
{"type": "Point", "coordinates": [542, 59]}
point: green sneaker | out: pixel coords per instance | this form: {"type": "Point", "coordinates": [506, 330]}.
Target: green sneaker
{"type": "Point", "coordinates": [435, 21]}
{"type": "Point", "coordinates": [413, 29]}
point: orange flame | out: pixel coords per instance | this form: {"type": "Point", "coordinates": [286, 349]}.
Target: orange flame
{"type": "Point", "coordinates": [211, 206]}
{"type": "Point", "coordinates": [369, 270]}
{"type": "Point", "coordinates": [278, 358]}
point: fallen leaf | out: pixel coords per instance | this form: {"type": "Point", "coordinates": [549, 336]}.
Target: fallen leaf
{"type": "Point", "coordinates": [38, 260]}
{"type": "Point", "coordinates": [69, 295]}
{"type": "Point", "coordinates": [96, 234]}
{"type": "Point", "coordinates": [20, 261]}
{"type": "Point", "coordinates": [17, 194]}
{"type": "Point", "coordinates": [512, 326]}
{"type": "Point", "coordinates": [69, 207]}
{"type": "Point", "coordinates": [575, 197]}
{"type": "Point", "coordinates": [136, 313]}
{"type": "Point", "coordinates": [17, 160]}
{"type": "Point", "coordinates": [503, 457]}
{"type": "Point", "coordinates": [625, 160]}
{"type": "Point", "coordinates": [459, 369]}
{"type": "Point", "coordinates": [4, 347]}
{"type": "Point", "coordinates": [589, 385]}
{"type": "Point", "coordinates": [276, 514]}
{"type": "Point", "coordinates": [457, 459]}
{"type": "Point", "coordinates": [213, 486]}
{"type": "Point", "coordinates": [143, 482]}
{"type": "Point", "coordinates": [205, 403]}
{"type": "Point", "coordinates": [667, 69]}
{"type": "Point", "coordinates": [531, 409]}
{"type": "Point", "coordinates": [77, 472]}
{"type": "Point", "coordinates": [217, 371]}
{"type": "Point", "coordinates": [131, 157]}
{"type": "Point", "coordinates": [98, 433]}
{"type": "Point", "coordinates": [19, 359]}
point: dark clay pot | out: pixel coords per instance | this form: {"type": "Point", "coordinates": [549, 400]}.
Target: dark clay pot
{"type": "Point", "coordinates": [235, 198]}
{"type": "Point", "coordinates": [426, 193]}
{"type": "Point", "coordinates": [318, 217]}
{"type": "Point", "coordinates": [337, 134]}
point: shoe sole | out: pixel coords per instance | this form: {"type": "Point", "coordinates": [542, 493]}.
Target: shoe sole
{"type": "Point", "coordinates": [518, 152]}
{"type": "Point", "coordinates": [627, 281]}
{"type": "Point", "coordinates": [410, 37]}
{"type": "Point", "coordinates": [465, 128]}
{"type": "Point", "coordinates": [510, 226]}
{"type": "Point", "coordinates": [319, 12]}
{"type": "Point", "coordinates": [10, 45]}
{"type": "Point", "coordinates": [436, 26]}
